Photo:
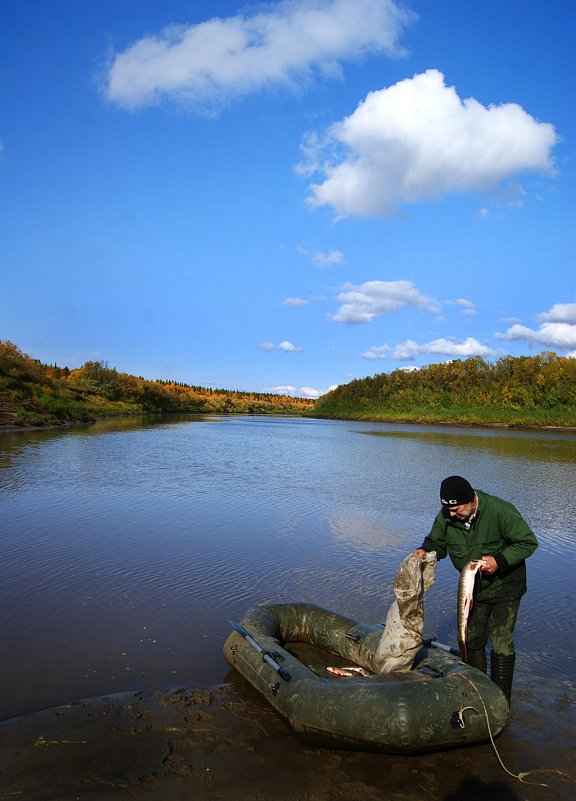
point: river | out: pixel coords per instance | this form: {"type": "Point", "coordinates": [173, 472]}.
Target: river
{"type": "Point", "coordinates": [126, 544]}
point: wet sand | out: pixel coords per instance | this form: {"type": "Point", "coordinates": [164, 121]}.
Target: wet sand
{"type": "Point", "coordinates": [225, 743]}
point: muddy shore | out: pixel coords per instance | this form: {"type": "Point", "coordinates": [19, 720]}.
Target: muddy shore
{"type": "Point", "coordinates": [223, 743]}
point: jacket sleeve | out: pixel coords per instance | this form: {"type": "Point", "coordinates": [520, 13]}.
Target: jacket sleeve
{"type": "Point", "coordinates": [436, 540]}
{"type": "Point", "coordinates": [518, 540]}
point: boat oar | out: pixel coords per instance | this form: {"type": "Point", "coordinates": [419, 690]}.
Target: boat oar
{"type": "Point", "coordinates": [257, 647]}
{"type": "Point", "coordinates": [433, 642]}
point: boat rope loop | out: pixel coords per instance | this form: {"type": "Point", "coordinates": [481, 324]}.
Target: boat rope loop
{"type": "Point", "coordinates": [520, 776]}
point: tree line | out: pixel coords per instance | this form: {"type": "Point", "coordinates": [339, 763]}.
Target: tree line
{"type": "Point", "coordinates": [524, 390]}
{"type": "Point", "coordinates": [34, 394]}
{"type": "Point", "coordinates": [535, 390]}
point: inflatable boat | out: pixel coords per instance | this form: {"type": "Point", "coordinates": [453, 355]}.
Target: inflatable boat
{"type": "Point", "coordinates": [292, 654]}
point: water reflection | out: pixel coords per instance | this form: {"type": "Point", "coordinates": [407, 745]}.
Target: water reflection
{"type": "Point", "coordinates": [546, 446]}
{"type": "Point", "coordinates": [368, 531]}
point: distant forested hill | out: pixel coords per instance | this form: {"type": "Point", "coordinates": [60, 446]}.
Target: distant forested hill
{"type": "Point", "coordinates": [523, 391]}
{"type": "Point", "coordinates": [517, 391]}
{"type": "Point", "coordinates": [35, 394]}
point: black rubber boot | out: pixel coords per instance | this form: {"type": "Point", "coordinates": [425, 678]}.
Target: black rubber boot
{"type": "Point", "coordinates": [477, 659]}
{"type": "Point", "coordinates": [502, 672]}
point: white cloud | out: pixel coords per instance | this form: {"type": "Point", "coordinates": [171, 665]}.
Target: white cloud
{"type": "Point", "coordinates": [418, 140]}
{"type": "Point", "coordinates": [311, 392]}
{"type": "Point", "coordinates": [377, 352]}
{"type": "Point", "coordinates": [364, 302]}
{"type": "Point", "coordinates": [285, 43]}
{"type": "Point", "coordinates": [559, 313]}
{"type": "Point", "coordinates": [441, 347]}
{"type": "Point", "coordinates": [284, 389]}
{"type": "Point", "coordinates": [301, 392]}
{"type": "Point", "coordinates": [286, 346]}
{"type": "Point", "coordinates": [328, 259]}
{"type": "Point", "coordinates": [467, 307]}
{"type": "Point", "coordinates": [295, 302]}
{"type": "Point", "coordinates": [316, 393]}
{"type": "Point", "coordinates": [557, 328]}
{"type": "Point", "coordinates": [321, 259]}
{"type": "Point", "coordinates": [556, 335]}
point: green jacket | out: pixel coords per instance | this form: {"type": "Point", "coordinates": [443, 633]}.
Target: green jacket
{"type": "Point", "coordinates": [497, 530]}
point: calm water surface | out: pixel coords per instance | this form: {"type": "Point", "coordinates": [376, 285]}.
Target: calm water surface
{"type": "Point", "coordinates": [127, 544]}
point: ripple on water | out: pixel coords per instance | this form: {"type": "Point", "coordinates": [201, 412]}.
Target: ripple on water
{"type": "Point", "coordinates": [125, 551]}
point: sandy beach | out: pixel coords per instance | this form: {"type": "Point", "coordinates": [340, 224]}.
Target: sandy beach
{"type": "Point", "coordinates": [223, 743]}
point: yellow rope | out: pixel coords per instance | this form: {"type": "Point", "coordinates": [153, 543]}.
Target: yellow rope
{"type": "Point", "coordinates": [520, 776]}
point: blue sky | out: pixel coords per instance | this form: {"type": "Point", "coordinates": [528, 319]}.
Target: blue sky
{"type": "Point", "coordinates": [289, 195]}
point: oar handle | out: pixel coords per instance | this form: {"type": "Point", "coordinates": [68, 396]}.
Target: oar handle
{"type": "Point", "coordinates": [433, 642]}
{"type": "Point", "coordinates": [282, 672]}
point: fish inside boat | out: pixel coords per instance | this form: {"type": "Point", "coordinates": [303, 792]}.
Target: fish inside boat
{"type": "Point", "coordinates": [288, 652]}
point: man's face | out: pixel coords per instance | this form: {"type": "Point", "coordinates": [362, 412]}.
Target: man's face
{"type": "Point", "coordinates": [461, 512]}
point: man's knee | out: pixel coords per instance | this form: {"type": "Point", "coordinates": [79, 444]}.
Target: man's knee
{"type": "Point", "coordinates": [504, 620]}
{"type": "Point", "coordinates": [503, 645]}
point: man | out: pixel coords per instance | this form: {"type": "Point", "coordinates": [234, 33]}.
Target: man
{"type": "Point", "coordinates": [475, 525]}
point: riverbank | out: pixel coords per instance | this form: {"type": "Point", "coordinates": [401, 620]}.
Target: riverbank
{"type": "Point", "coordinates": [515, 392]}
{"type": "Point", "coordinates": [420, 417]}
{"type": "Point", "coordinates": [417, 421]}
{"type": "Point", "coordinates": [226, 744]}
{"type": "Point", "coordinates": [351, 419]}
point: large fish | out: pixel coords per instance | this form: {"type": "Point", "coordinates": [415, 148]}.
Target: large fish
{"type": "Point", "coordinates": [466, 601]}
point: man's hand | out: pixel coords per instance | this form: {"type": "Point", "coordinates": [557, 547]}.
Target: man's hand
{"type": "Point", "coordinates": [420, 552]}
{"type": "Point", "coordinates": [490, 565]}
